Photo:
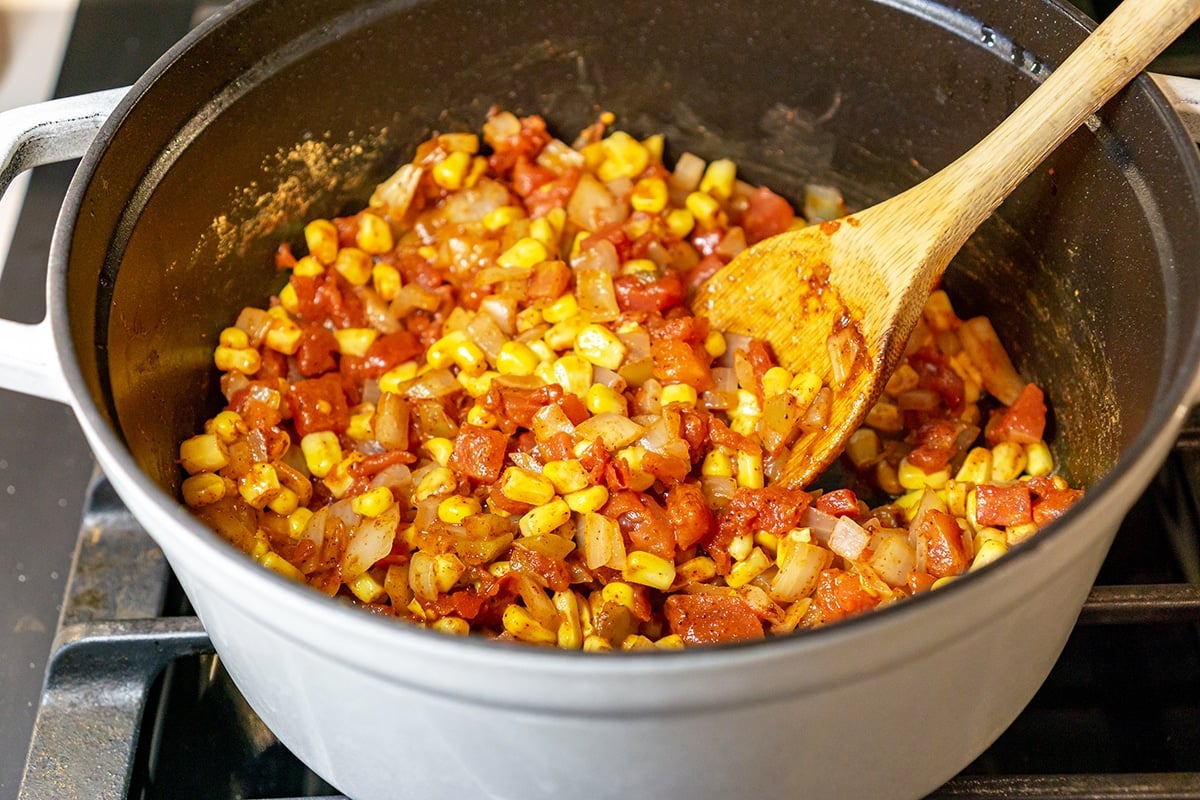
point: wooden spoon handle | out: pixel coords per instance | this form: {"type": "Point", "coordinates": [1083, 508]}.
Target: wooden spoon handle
{"type": "Point", "coordinates": [1121, 47]}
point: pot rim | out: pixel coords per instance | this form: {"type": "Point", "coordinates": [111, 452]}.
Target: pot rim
{"type": "Point", "coordinates": [1128, 477]}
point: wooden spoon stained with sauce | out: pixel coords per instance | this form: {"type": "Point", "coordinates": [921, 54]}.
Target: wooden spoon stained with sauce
{"type": "Point", "coordinates": [858, 284]}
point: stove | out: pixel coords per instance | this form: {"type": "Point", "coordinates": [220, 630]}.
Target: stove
{"type": "Point", "coordinates": [109, 688]}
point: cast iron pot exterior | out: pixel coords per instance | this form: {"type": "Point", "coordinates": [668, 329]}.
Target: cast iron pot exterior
{"type": "Point", "coordinates": [1089, 270]}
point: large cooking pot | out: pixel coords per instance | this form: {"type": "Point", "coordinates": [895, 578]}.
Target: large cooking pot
{"type": "Point", "coordinates": [279, 110]}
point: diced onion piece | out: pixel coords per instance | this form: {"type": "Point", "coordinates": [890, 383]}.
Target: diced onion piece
{"type": "Point", "coordinates": [822, 203]}
{"type": "Point", "coordinates": [848, 539]}
{"type": "Point", "coordinates": [893, 559]}
{"type": "Point", "coordinates": [987, 353]}
{"type": "Point", "coordinates": [615, 430]}
{"type": "Point", "coordinates": [370, 540]}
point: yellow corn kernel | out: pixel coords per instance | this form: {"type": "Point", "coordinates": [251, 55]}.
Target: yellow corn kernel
{"type": "Point", "coordinates": [355, 341]}
{"type": "Point", "coordinates": [500, 218]}
{"type": "Point", "coordinates": [804, 387]}
{"type": "Point", "coordinates": [283, 337]}
{"type": "Point", "coordinates": [986, 552]}
{"type": "Point", "coordinates": [654, 146]}
{"type": "Point", "coordinates": [516, 358]}
{"type": "Point", "coordinates": [570, 626]}
{"type": "Point", "coordinates": [394, 378]}
{"type": "Point", "coordinates": [245, 360]}
{"type": "Point", "coordinates": [705, 209]}
{"type": "Point", "coordinates": [203, 489]}
{"type": "Point", "coordinates": [262, 545]}
{"type": "Point", "coordinates": [289, 299]}
{"type": "Point", "coordinates": [718, 178]}
{"type": "Point", "coordinates": [585, 501]}
{"type": "Point", "coordinates": [750, 470]}
{"type": "Point", "coordinates": [297, 521]}
{"type": "Point", "coordinates": [940, 582]}
{"type": "Point", "coordinates": [600, 346]}
{"type": "Point", "coordinates": [455, 508]}
{"type": "Point", "coordinates": [476, 385]}
{"type": "Point", "coordinates": [308, 267]}
{"type": "Point", "coordinates": [524, 254]}
{"type": "Point", "coordinates": [284, 502]}
{"type": "Point", "coordinates": [366, 588]}
{"type": "Point", "coordinates": [1015, 534]}
{"type": "Point", "coordinates": [567, 476]}
{"type": "Point", "coordinates": [441, 353]}
{"type": "Point", "coordinates": [480, 417]}
{"type": "Point", "coordinates": [544, 231]}
{"type": "Point", "coordinates": [228, 426]}
{"type": "Point", "coordinates": [680, 393]}
{"type": "Point", "coordinates": [649, 195]}
{"type": "Point", "coordinates": [714, 344]}
{"type": "Point", "coordinates": [455, 626]}
{"type": "Point", "coordinates": [259, 485]}
{"type": "Point", "coordinates": [428, 252]}
{"type": "Point", "coordinates": [439, 448]}
{"type": "Point", "coordinates": [374, 235]}
{"type": "Point", "coordinates": [601, 399]}
{"type": "Point", "coordinates": [450, 172]}
{"type": "Point", "coordinates": [747, 404]}
{"type": "Point", "coordinates": [769, 542]}
{"type": "Point", "coordinates": [595, 643]}
{"type": "Point", "coordinates": [234, 338]}
{"type": "Point", "coordinates": [545, 519]}
{"type": "Point", "coordinates": [696, 570]}
{"type": "Point", "coordinates": [717, 463]}
{"type": "Point", "coordinates": [562, 309]}
{"type": "Point", "coordinates": [523, 486]}
{"type": "Point", "coordinates": [372, 503]}
{"type": "Point", "coordinates": [387, 281]}
{"type": "Point", "coordinates": [573, 374]}
{"type": "Point", "coordinates": [354, 265]}
{"type": "Point", "coordinates": [447, 569]}
{"type": "Point", "coordinates": [741, 546]}
{"type": "Point", "coordinates": [542, 350]}
{"type": "Point", "coordinates": [619, 593]}
{"type": "Point", "coordinates": [361, 427]}
{"type": "Point", "coordinates": [649, 569]}
{"type": "Point", "coordinates": [672, 641]}
{"type": "Point", "coordinates": [913, 477]}
{"type": "Point", "coordinates": [956, 497]}
{"type": "Point", "coordinates": [748, 568]}
{"type": "Point", "coordinates": [680, 221]}
{"type": "Point", "coordinates": [435, 483]}
{"type": "Point", "coordinates": [561, 335]}
{"type": "Point", "coordinates": [776, 380]}
{"type": "Point", "coordinates": [203, 453]}
{"type": "Point", "coordinates": [1008, 461]}
{"type": "Point", "coordinates": [976, 467]}
{"type": "Point", "coordinates": [321, 236]}
{"type": "Point", "coordinates": [1038, 461]}
{"type": "Point", "coordinates": [522, 626]}
{"type": "Point", "coordinates": [277, 563]}
{"type": "Point", "coordinates": [640, 266]}
{"type": "Point", "coordinates": [624, 157]}
{"type": "Point", "coordinates": [863, 447]}
{"type": "Point", "coordinates": [322, 451]}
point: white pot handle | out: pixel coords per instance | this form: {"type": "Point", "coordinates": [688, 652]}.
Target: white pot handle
{"type": "Point", "coordinates": [30, 136]}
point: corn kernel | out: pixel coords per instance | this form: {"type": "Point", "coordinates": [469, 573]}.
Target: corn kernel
{"type": "Point", "coordinates": [696, 570]}
{"type": "Point", "coordinates": [361, 427]}
{"type": "Point", "coordinates": [203, 489]}
{"type": "Point", "coordinates": [542, 350]}
{"type": "Point", "coordinates": [234, 338]}
{"type": "Point", "coordinates": [455, 626]}
{"type": "Point", "coordinates": [374, 235]}
{"type": "Point", "coordinates": [355, 341]}
{"type": "Point", "coordinates": [717, 463]}
{"type": "Point", "coordinates": [289, 299]}
{"type": "Point", "coordinates": [649, 569]}
{"type": "Point", "coordinates": [450, 172]}
{"type": "Point", "coordinates": [259, 485]}
{"type": "Point", "coordinates": [586, 501]}
{"type": "Point", "coordinates": [714, 344]}
{"type": "Point", "coordinates": [680, 393]}
{"type": "Point", "coordinates": [649, 195]}
{"type": "Point", "coordinates": [600, 346]}
{"type": "Point", "coordinates": [447, 569]}
{"type": "Point", "coordinates": [704, 208]}
{"type": "Point", "coordinates": [523, 627]}
{"type": "Point", "coordinates": [523, 486]}
{"type": "Point", "coordinates": [546, 518]}
{"type": "Point", "coordinates": [524, 254]}
{"type": "Point", "coordinates": [435, 483]}
{"type": "Point", "coordinates": [672, 641]}
{"type": "Point", "coordinates": [428, 252]}
{"type": "Point", "coordinates": [297, 521]}
{"type": "Point", "coordinates": [976, 467]}
{"type": "Point", "coordinates": [283, 337]}
{"type": "Point", "coordinates": [387, 281]}
{"type": "Point", "coordinates": [397, 376]}
{"type": "Point", "coordinates": [1038, 461]}
{"type": "Point", "coordinates": [246, 360]}
{"type": "Point", "coordinates": [455, 508]}
{"type": "Point", "coordinates": [372, 503]}
{"type": "Point", "coordinates": [680, 222]}
{"type": "Point", "coordinates": [476, 385]}
{"type": "Point", "coordinates": [544, 231]}
{"type": "Point", "coordinates": [354, 265]}
{"type": "Point", "coordinates": [480, 417]}
{"type": "Point", "coordinates": [573, 374]}
{"type": "Point", "coordinates": [640, 266]}
{"type": "Point", "coordinates": [804, 387]}
{"type": "Point", "coordinates": [625, 157]}
{"type": "Point", "coordinates": [750, 470]}
{"type": "Point", "coordinates": [594, 643]}
{"type": "Point", "coordinates": [562, 309]}
{"type": "Point", "coordinates": [619, 593]}
{"type": "Point", "coordinates": [500, 218]}
{"type": "Point", "coordinates": [515, 358]}
{"type": "Point", "coordinates": [366, 588]}
{"type": "Point", "coordinates": [987, 552]}
{"type": "Point", "coordinates": [439, 448]}
{"type": "Point", "coordinates": [322, 451]}
{"type": "Point", "coordinates": [442, 352]}
{"type": "Point", "coordinates": [748, 568]}
{"type": "Point", "coordinates": [203, 453]}
{"type": "Point", "coordinates": [718, 178]}
{"type": "Point", "coordinates": [601, 399]}
{"type": "Point", "coordinates": [913, 477]}
{"type": "Point", "coordinates": [308, 267]}
{"type": "Point", "coordinates": [321, 237]}
{"type": "Point", "coordinates": [561, 335]}
{"type": "Point", "coordinates": [570, 627]}
{"type": "Point", "coordinates": [228, 426]}
{"type": "Point", "coordinates": [747, 404]}
{"type": "Point", "coordinates": [278, 564]}
{"type": "Point", "coordinates": [776, 380]}
{"type": "Point", "coordinates": [1008, 461]}
{"type": "Point", "coordinates": [285, 502]}
{"type": "Point", "coordinates": [567, 476]}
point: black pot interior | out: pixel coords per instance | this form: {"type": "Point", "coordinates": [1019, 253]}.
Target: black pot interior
{"type": "Point", "coordinates": [295, 108]}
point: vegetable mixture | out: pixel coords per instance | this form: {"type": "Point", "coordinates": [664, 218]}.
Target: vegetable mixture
{"type": "Point", "coordinates": [483, 405]}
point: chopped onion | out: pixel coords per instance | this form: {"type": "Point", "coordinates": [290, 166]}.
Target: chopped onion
{"type": "Point", "coordinates": [432, 385]}
{"type": "Point", "coordinates": [370, 540]}
{"type": "Point", "coordinates": [822, 203]}
{"type": "Point", "coordinates": [820, 523]}
{"type": "Point", "coordinates": [798, 574]}
{"type": "Point", "coordinates": [848, 539]}
{"type": "Point", "coordinates": [597, 298]}
{"type": "Point", "coordinates": [397, 192]}
{"type": "Point", "coordinates": [615, 430]}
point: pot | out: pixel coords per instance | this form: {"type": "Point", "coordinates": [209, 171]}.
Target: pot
{"type": "Point", "coordinates": [280, 110]}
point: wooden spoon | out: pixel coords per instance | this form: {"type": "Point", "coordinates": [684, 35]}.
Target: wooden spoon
{"type": "Point", "coordinates": [857, 285]}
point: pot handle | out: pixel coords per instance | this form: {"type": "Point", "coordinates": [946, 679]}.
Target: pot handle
{"type": "Point", "coordinates": [30, 136]}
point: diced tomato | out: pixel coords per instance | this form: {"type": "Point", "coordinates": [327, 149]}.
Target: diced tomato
{"type": "Point", "coordinates": [937, 376]}
{"type": "Point", "coordinates": [527, 143]}
{"type": "Point", "coordinates": [573, 407]}
{"type": "Point", "coordinates": [773, 509]}
{"type": "Point", "coordinates": [766, 215]}
{"type": "Point", "coordinates": [552, 194]}
{"type": "Point", "coordinates": [527, 176]}
{"type": "Point", "coordinates": [548, 280]}
{"type": "Point", "coordinates": [919, 582]}
{"type": "Point", "coordinates": [690, 515]}
{"type": "Point", "coordinates": [939, 534]}
{"type": "Point", "coordinates": [317, 350]}
{"type": "Point", "coordinates": [1050, 502]}
{"type": "Point", "coordinates": [255, 404]}
{"type": "Point", "coordinates": [711, 618]}
{"type": "Point", "coordinates": [319, 404]}
{"type": "Point", "coordinates": [644, 522]}
{"type": "Point", "coordinates": [479, 453]}
{"type": "Point", "coordinates": [840, 594]}
{"type": "Point", "coordinates": [635, 294]}
{"type": "Point", "coordinates": [558, 447]}
{"type": "Point", "coordinates": [705, 268]}
{"type": "Point", "coordinates": [676, 361]}
{"type": "Point", "coordinates": [284, 258]}
{"type": "Point", "coordinates": [1003, 505]}
{"type": "Point", "coordinates": [550, 572]}
{"type": "Point", "coordinates": [838, 503]}
{"type": "Point", "coordinates": [615, 235]}
{"type": "Point", "coordinates": [1025, 420]}
{"type": "Point", "coordinates": [937, 444]}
